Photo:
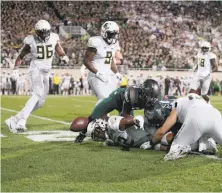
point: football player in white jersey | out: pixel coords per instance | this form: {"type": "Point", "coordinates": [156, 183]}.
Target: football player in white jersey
{"type": "Point", "coordinates": [200, 121]}
{"type": "Point", "coordinates": [102, 54]}
{"type": "Point", "coordinates": [206, 64]}
{"type": "Point", "coordinates": [42, 47]}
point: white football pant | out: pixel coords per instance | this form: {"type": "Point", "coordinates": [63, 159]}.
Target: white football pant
{"type": "Point", "coordinates": [200, 121]}
{"type": "Point", "coordinates": [203, 83]}
{"type": "Point", "coordinates": [39, 83]}
{"type": "Point", "coordinates": [100, 88]}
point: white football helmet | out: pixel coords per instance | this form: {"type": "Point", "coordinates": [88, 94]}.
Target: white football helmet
{"type": "Point", "coordinates": [110, 32]}
{"type": "Point", "coordinates": [97, 130]}
{"type": "Point", "coordinates": [42, 29]}
{"type": "Point", "coordinates": [205, 46]}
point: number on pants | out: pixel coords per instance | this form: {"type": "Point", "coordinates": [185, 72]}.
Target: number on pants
{"type": "Point", "coordinates": [44, 52]}
{"type": "Point", "coordinates": [108, 57]}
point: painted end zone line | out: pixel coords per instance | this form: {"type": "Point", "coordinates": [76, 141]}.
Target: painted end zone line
{"type": "Point", "coordinates": [38, 117]}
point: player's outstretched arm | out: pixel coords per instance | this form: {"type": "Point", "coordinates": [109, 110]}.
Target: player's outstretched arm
{"type": "Point", "coordinates": [89, 55]}
{"type": "Point", "coordinates": [170, 121]}
{"type": "Point", "coordinates": [126, 122]}
{"type": "Point", "coordinates": [25, 50]}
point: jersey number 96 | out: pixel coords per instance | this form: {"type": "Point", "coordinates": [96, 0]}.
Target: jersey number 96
{"type": "Point", "coordinates": [44, 52]}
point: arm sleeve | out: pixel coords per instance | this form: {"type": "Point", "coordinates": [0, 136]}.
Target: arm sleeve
{"type": "Point", "coordinates": [212, 56]}
{"type": "Point", "coordinates": [118, 46]}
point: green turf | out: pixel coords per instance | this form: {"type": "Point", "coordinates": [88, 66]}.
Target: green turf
{"type": "Point", "coordinates": [28, 166]}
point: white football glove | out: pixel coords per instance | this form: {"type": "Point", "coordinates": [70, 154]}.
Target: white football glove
{"type": "Point", "coordinates": [146, 146]}
{"type": "Point", "coordinates": [65, 59]}
{"type": "Point", "coordinates": [119, 76]}
{"type": "Point", "coordinates": [101, 76]}
{"type": "Point", "coordinates": [139, 121]}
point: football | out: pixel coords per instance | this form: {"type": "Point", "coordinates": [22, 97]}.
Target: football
{"type": "Point", "coordinates": [79, 124]}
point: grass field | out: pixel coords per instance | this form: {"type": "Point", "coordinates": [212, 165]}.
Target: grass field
{"type": "Point", "coordinates": [30, 166]}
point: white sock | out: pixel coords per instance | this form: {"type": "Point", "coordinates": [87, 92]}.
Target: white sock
{"type": "Point", "coordinates": [29, 106]}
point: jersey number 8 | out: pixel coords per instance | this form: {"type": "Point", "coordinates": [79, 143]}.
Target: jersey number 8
{"type": "Point", "coordinates": [108, 57]}
{"type": "Point", "coordinates": [202, 62]}
{"type": "Point", "coordinates": [44, 52]}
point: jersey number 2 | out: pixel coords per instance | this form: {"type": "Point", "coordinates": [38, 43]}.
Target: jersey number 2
{"type": "Point", "coordinates": [108, 57]}
{"type": "Point", "coordinates": [44, 52]}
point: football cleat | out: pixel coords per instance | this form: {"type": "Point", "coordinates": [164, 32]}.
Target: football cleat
{"type": "Point", "coordinates": [80, 138]}
{"type": "Point", "coordinates": [177, 152]}
{"type": "Point", "coordinates": [20, 127]}
{"type": "Point", "coordinates": [11, 124]}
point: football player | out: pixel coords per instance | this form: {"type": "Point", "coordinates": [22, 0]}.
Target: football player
{"type": "Point", "coordinates": [137, 129]}
{"type": "Point", "coordinates": [101, 56]}
{"type": "Point", "coordinates": [42, 47]}
{"type": "Point", "coordinates": [205, 65]}
{"type": "Point", "coordinates": [124, 100]}
{"type": "Point", "coordinates": [199, 121]}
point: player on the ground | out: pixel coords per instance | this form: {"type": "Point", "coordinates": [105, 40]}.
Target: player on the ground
{"type": "Point", "coordinates": [42, 47]}
{"type": "Point", "coordinates": [102, 54]}
{"type": "Point", "coordinates": [199, 120]}
{"type": "Point", "coordinates": [124, 100]}
{"type": "Point", "coordinates": [206, 64]}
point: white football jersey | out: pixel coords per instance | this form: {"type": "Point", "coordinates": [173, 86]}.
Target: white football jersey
{"type": "Point", "coordinates": [183, 104]}
{"type": "Point", "coordinates": [42, 52]}
{"type": "Point", "coordinates": [104, 55]}
{"type": "Point", "coordinates": [204, 66]}
{"type": "Point", "coordinates": [113, 128]}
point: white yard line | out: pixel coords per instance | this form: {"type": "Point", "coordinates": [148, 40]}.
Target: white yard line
{"type": "Point", "coordinates": [38, 117]}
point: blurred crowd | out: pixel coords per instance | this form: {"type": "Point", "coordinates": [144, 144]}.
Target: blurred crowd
{"type": "Point", "coordinates": [66, 84]}
{"type": "Point", "coordinates": [158, 35]}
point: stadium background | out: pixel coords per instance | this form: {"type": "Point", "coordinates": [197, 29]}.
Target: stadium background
{"type": "Point", "coordinates": [157, 39]}
{"type": "Point", "coordinates": [154, 36]}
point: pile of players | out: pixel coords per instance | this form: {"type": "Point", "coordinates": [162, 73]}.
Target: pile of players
{"type": "Point", "coordinates": [180, 126]}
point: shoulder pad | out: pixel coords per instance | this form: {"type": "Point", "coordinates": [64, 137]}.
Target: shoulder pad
{"type": "Point", "coordinates": [113, 122]}
{"type": "Point", "coordinates": [28, 39]}
{"type": "Point", "coordinates": [55, 36]}
{"type": "Point", "coordinates": [94, 42]}
{"type": "Point", "coordinates": [212, 55]}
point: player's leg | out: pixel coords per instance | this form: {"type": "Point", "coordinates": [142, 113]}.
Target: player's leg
{"type": "Point", "coordinates": [216, 131]}
{"type": "Point", "coordinates": [37, 84]}
{"type": "Point", "coordinates": [99, 87]}
{"type": "Point", "coordinates": [194, 85]}
{"type": "Point", "coordinates": [188, 134]}
{"type": "Point", "coordinates": [205, 88]}
{"type": "Point", "coordinates": [41, 101]}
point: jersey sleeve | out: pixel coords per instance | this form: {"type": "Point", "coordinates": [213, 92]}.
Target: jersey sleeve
{"type": "Point", "coordinates": [28, 39]}
{"type": "Point", "coordinates": [212, 56]}
{"type": "Point", "coordinates": [113, 122]}
{"type": "Point", "coordinates": [93, 42]}
{"type": "Point", "coordinates": [118, 46]}
{"type": "Point", "coordinates": [113, 126]}
{"type": "Point", "coordinates": [56, 37]}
